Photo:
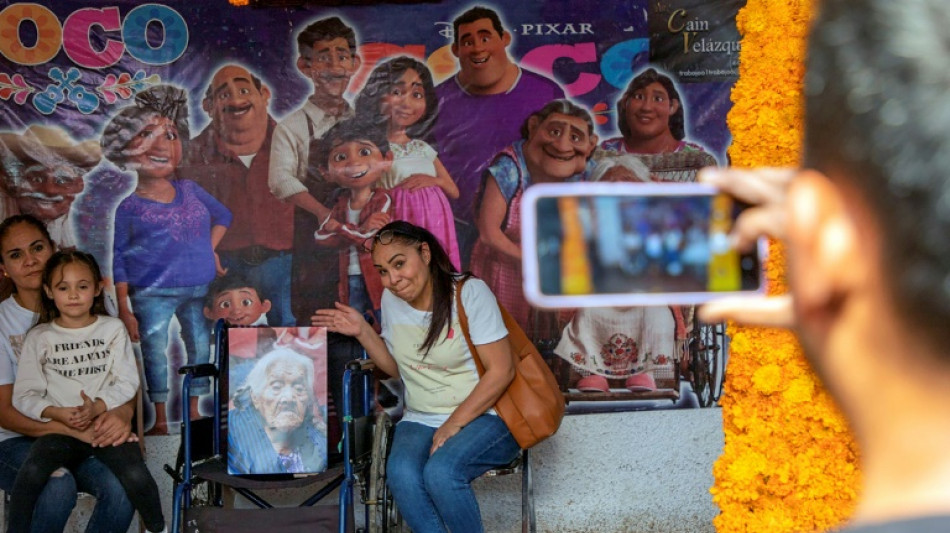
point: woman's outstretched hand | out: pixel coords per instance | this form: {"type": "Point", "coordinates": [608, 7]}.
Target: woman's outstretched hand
{"type": "Point", "coordinates": [343, 319]}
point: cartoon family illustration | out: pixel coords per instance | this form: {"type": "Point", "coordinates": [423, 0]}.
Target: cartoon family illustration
{"type": "Point", "coordinates": [284, 206]}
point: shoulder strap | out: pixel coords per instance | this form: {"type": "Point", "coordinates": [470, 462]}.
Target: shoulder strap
{"type": "Point", "coordinates": [463, 322]}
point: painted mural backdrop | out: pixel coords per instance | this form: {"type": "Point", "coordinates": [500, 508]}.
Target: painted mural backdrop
{"type": "Point", "coordinates": [181, 142]}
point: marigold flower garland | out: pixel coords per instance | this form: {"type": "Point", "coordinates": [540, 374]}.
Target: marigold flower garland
{"type": "Point", "coordinates": [789, 462]}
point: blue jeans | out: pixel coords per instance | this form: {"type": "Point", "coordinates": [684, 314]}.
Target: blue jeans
{"type": "Point", "coordinates": [112, 513]}
{"type": "Point", "coordinates": [434, 493]}
{"type": "Point", "coordinates": [272, 278]}
{"type": "Point", "coordinates": [154, 308]}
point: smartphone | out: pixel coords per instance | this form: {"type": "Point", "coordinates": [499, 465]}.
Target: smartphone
{"type": "Point", "coordinates": [633, 244]}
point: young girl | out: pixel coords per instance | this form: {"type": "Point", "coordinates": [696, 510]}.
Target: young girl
{"type": "Point", "coordinates": [400, 97]}
{"type": "Point", "coordinates": [76, 364]}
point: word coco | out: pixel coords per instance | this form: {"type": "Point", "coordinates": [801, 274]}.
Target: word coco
{"type": "Point", "coordinates": [84, 27]}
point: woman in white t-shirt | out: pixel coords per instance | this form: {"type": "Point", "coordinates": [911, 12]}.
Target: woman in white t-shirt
{"type": "Point", "coordinates": [25, 247]}
{"type": "Point", "coordinates": [449, 434]}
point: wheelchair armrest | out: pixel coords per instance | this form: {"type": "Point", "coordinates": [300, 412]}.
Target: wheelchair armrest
{"type": "Point", "coordinates": [358, 365]}
{"type": "Point", "coordinates": [199, 371]}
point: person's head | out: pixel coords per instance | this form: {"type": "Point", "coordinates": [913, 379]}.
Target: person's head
{"type": "Point", "coordinates": [559, 139]}
{"type": "Point", "coordinates": [236, 101]}
{"type": "Point", "coordinates": [651, 106]}
{"type": "Point", "coordinates": [327, 56]}
{"type": "Point", "coordinates": [43, 167]}
{"type": "Point", "coordinates": [870, 213]}
{"type": "Point", "coordinates": [235, 299]}
{"type": "Point", "coordinates": [400, 93]}
{"type": "Point", "coordinates": [281, 389]}
{"type": "Point", "coordinates": [72, 287]}
{"type": "Point", "coordinates": [146, 136]}
{"type": "Point", "coordinates": [481, 46]}
{"type": "Point", "coordinates": [25, 247]}
{"type": "Point", "coordinates": [354, 154]}
{"type": "Point", "coordinates": [415, 267]}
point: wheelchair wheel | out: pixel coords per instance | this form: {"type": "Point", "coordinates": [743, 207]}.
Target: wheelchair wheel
{"type": "Point", "coordinates": [718, 374]}
{"type": "Point", "coordinates": [702, 349]}
{"type": "Point", "coordinates": [384, 517]}
{"type": "Point", "coordinates": [707, 364]}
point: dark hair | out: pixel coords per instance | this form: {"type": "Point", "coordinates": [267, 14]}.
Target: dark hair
{"type": "Point", "coordinates": [229, 282]}
{"type": "Point", "coordinates": [876, 118]}
{"type": "Point", "coordinates": [380, 83]}
{"type": "Point", "coordinates": [160, 100]}
{"type": "Point", "coordinates": [645, 78]}
{"type": "Point", "coordinates": [442, 272]}
{"type": "Point", "coordinates": [354, 129]}
{"type": "Point", "coordinates": [31, 220]}
{"type": "Point", "coordinates": [561, 107]}
{"type": "Point", "coordinates": [324, 30]}
{"type": "Point", "coordinates": [476, 13]}
{"type": "Point", "coordinates": [59, 260]}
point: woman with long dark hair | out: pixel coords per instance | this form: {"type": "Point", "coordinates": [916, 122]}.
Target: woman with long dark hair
{"type": "Point", "coordinates": [449, 434]}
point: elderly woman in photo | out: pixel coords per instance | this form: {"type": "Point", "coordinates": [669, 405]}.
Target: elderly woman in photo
{"type": "Point", "coordinates": [165, 235]}
{"type": "Point", "coordinates": [272, 427]}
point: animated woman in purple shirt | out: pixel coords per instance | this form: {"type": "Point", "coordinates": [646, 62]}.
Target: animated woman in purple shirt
{"type": "Point", "coordinates": [165, 235]}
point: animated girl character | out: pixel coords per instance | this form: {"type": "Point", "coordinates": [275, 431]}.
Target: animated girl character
{"type": "Point", "coordinates": [165, 235]}
{"type": "Point", "coordinates": [399, 97]}
{"type": "Point", "coordinates": [76, 364]}
{"type": "Point", "coordinates": [351, 155]}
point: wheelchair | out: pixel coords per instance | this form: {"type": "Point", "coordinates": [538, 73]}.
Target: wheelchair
{"type": "Point", "coordinates": [369, 465]}
{"type": "Point", "coordinates": [201, 476]}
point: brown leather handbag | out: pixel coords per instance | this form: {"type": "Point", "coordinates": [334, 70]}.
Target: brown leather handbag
{"type": "Point", "coordinates": [533, 405]}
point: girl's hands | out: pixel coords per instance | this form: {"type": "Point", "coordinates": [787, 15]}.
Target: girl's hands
{"type": "Point", "coordinates": [343, 319]}
{"type": "Point", "coordinates": [83, 415]}
{"type": "Point", "coordinates": [60, 414]}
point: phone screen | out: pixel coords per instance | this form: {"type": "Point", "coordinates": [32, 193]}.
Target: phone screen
{"type": "Point", "coordinates": [639, 244]}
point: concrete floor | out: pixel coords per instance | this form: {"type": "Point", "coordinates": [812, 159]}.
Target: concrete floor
{"type": "Point", "coordinates": [614, 472]}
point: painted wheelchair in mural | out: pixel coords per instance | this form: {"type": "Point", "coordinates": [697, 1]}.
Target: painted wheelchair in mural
{"type": "Point", "coordinates": [621, 339]}
{"type": "Point", "coordinates": [700, 361]}
{"type": "Point", "coordinates": [205, 476]}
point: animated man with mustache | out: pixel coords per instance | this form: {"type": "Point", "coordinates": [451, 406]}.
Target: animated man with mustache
{"type": "Point", "coordinates": [488, 99]}
{"type": "Point", "coordinates": [272, 428]}
{"type": "Point", "coordinates": [42, 171]}
{"type": "Point", "coordinates": [231, 160]}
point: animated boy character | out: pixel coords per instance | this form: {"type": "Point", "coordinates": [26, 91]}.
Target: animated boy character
{"type": "Point", "coordinates": [238, 301]}
{"type": "Point", "coordinates": [352, 156]}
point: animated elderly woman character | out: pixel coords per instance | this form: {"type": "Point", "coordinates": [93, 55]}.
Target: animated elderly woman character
{"type": "Point", "coordinates": [557, 144]}
{"type": "Point", "coordinates": [273, 427]}
{"type": "Point", "coordinates": [164, 240]}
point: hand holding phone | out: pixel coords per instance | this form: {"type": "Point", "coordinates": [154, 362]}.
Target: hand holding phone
{"type": "Point", "coordinates": [633, 244]}
{"type": "Point", "coordinates": [765, 189]}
